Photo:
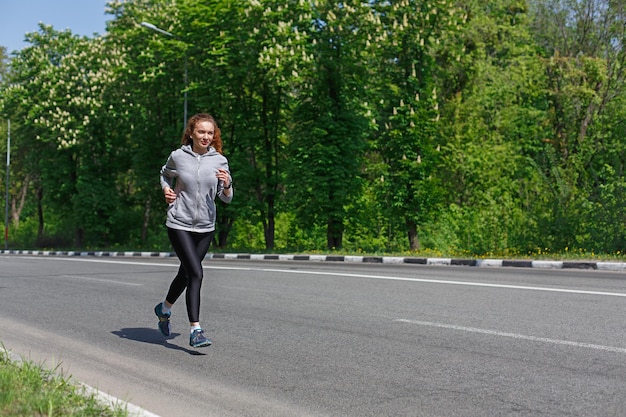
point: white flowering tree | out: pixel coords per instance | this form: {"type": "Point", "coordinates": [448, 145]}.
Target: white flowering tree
{"type": "Point", "coordinates": [328, 136]}
{"type": "Point", "coordinates": [408, 123]}
{"type": "Point", "coordinates": [58, 100]}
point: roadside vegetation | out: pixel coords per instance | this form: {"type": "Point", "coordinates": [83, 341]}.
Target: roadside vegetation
{"type": "Point", "coordinates": [28, 389]}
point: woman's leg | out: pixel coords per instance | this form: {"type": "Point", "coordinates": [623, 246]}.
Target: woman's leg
{"type": "Point", "coordinates": [177, 286]}
{"type": "Point", "coordinates": [191, 248]}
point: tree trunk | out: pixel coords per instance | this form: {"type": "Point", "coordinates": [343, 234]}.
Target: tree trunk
{"type": "Point", "coordinates": [225, 225]}
{"type": "Point", "coordinates": [334, 234]}
{"type": "Point", "coordinates": [146, 218]}
{"type": "Point", "coordinates": [80, 232]}
{"type": "Point", "coordinates": [41, 227]}
{"type": "Point", "coordinates": [17, 204]}
{"type": "Point", "coordinates": [269, 231]}
{"type": "Point", "coordinates": [269, 223]}
{"type": "Point", "coordinates": [414, 242]}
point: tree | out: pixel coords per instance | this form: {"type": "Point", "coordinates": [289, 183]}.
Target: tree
{"type": "Point", "coordinates": [4, 59]}
{"type": "Point", "coordinates": [250, 96]}
{"type": "Point", "coordinates": [495, 108]}
{"type": "Point", "coordinates": [58, 102]}
{"type": "Point", "coordinates": [582, 42]}
{"type": "Point", "coordinates": [151, 94]}
{"type": "Point", "coordinates": [327, 142]}
{"type": "Point", "coordinates": [409, 134]}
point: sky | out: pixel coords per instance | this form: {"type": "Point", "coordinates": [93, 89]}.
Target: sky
{"type": "Point", "coordinates": [18, 17]}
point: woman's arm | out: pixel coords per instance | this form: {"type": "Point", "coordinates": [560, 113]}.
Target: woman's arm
{"type": "Point", "coordinates": [167, 178]}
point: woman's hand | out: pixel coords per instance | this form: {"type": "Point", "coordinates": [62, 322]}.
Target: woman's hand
{"type": "Point", "coordinates": [222, 175]}
{"type": "Point", "coordinates": [170, 195]}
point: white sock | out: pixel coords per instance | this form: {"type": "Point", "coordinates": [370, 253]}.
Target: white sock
{"type": "Point", "coordinates": [195, 327]}
{"type": "Point", "coordinates": [165, 309]}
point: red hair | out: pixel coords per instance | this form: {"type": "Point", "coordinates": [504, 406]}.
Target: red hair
{"type": "Point", "coordinates": [191, 126]}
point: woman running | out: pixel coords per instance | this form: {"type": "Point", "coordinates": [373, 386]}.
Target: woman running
{"type": "Point", "coordinates": [192, 178]}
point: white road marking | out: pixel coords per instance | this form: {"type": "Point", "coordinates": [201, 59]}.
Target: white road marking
{"type": "Point", "coordinates": [446, 282]}
{"type": "Point", "coordinates": [514, 335]}
{"type": "Point", "coordinates": [100, 280]}
{"type": "Point", "coordinates": [383, 277]}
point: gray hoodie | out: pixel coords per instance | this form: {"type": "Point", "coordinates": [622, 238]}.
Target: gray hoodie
{"type": "Point", "coordinates": [192, 177]}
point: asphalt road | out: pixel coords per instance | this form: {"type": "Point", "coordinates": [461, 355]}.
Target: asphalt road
{"type": "Point", "coordinates": [323, 339]}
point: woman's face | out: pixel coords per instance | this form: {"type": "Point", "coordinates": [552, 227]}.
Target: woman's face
{"type": "Point", "coordinates": [202, 136]}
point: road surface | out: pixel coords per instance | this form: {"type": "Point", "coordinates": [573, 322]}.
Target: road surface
{"type": "Point", "coordinates": [327, 339]}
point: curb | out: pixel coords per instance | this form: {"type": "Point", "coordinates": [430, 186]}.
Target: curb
{"type": "Point", "coordinates": [481, 263]}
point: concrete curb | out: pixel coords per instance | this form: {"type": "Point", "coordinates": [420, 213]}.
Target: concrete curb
{"type": "Point", "coordinates": [481, 263]}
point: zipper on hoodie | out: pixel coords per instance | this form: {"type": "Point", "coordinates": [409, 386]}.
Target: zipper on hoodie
{"type": "Point", "coordinates": [198, 194]}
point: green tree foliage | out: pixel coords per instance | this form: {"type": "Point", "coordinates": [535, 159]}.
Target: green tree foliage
{"type": "Point", "coordinates": [252, 77]}
{"type": "Point", "coordinates": [409, 137]}
{"type": "Point", "coordinates": [328, 136]}
{"type": "Point", "coordinates": [4, 59]}
{"type": "Point", "coordinates": [494, 107]}
{"type": "Point", "coordinates": [582, 42]}
{"type": "Point", "coordinates": [151, 106]}
{"type": "Point", "coordinates": [470, 126]}
{"type": "Point", "coordinates": [60, 103]}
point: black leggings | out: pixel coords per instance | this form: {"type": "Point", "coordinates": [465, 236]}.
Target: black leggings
{"type": "Point", "coordinates": [191, 248]}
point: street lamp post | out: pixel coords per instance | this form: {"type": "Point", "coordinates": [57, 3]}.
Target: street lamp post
{"type": "Point", "coordinates": [6, 201]}
{"type": "Point", "coordinates": [171, 35]}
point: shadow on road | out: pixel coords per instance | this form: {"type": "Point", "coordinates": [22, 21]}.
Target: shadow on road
{"type": "Point", "coordinates": [144, 335]}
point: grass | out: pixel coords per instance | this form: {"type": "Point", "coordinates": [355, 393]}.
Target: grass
{"type": "Point", "coordinates": [28, 389]}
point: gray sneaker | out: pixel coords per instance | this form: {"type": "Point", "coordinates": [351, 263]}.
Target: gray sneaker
{"type": "Point", "coordinates": [197, 339]}
{"type": "Point", "coordinates": [164, 320]}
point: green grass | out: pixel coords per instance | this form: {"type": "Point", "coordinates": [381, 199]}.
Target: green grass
{"type": "Point", "coordinates": [28, 389]}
